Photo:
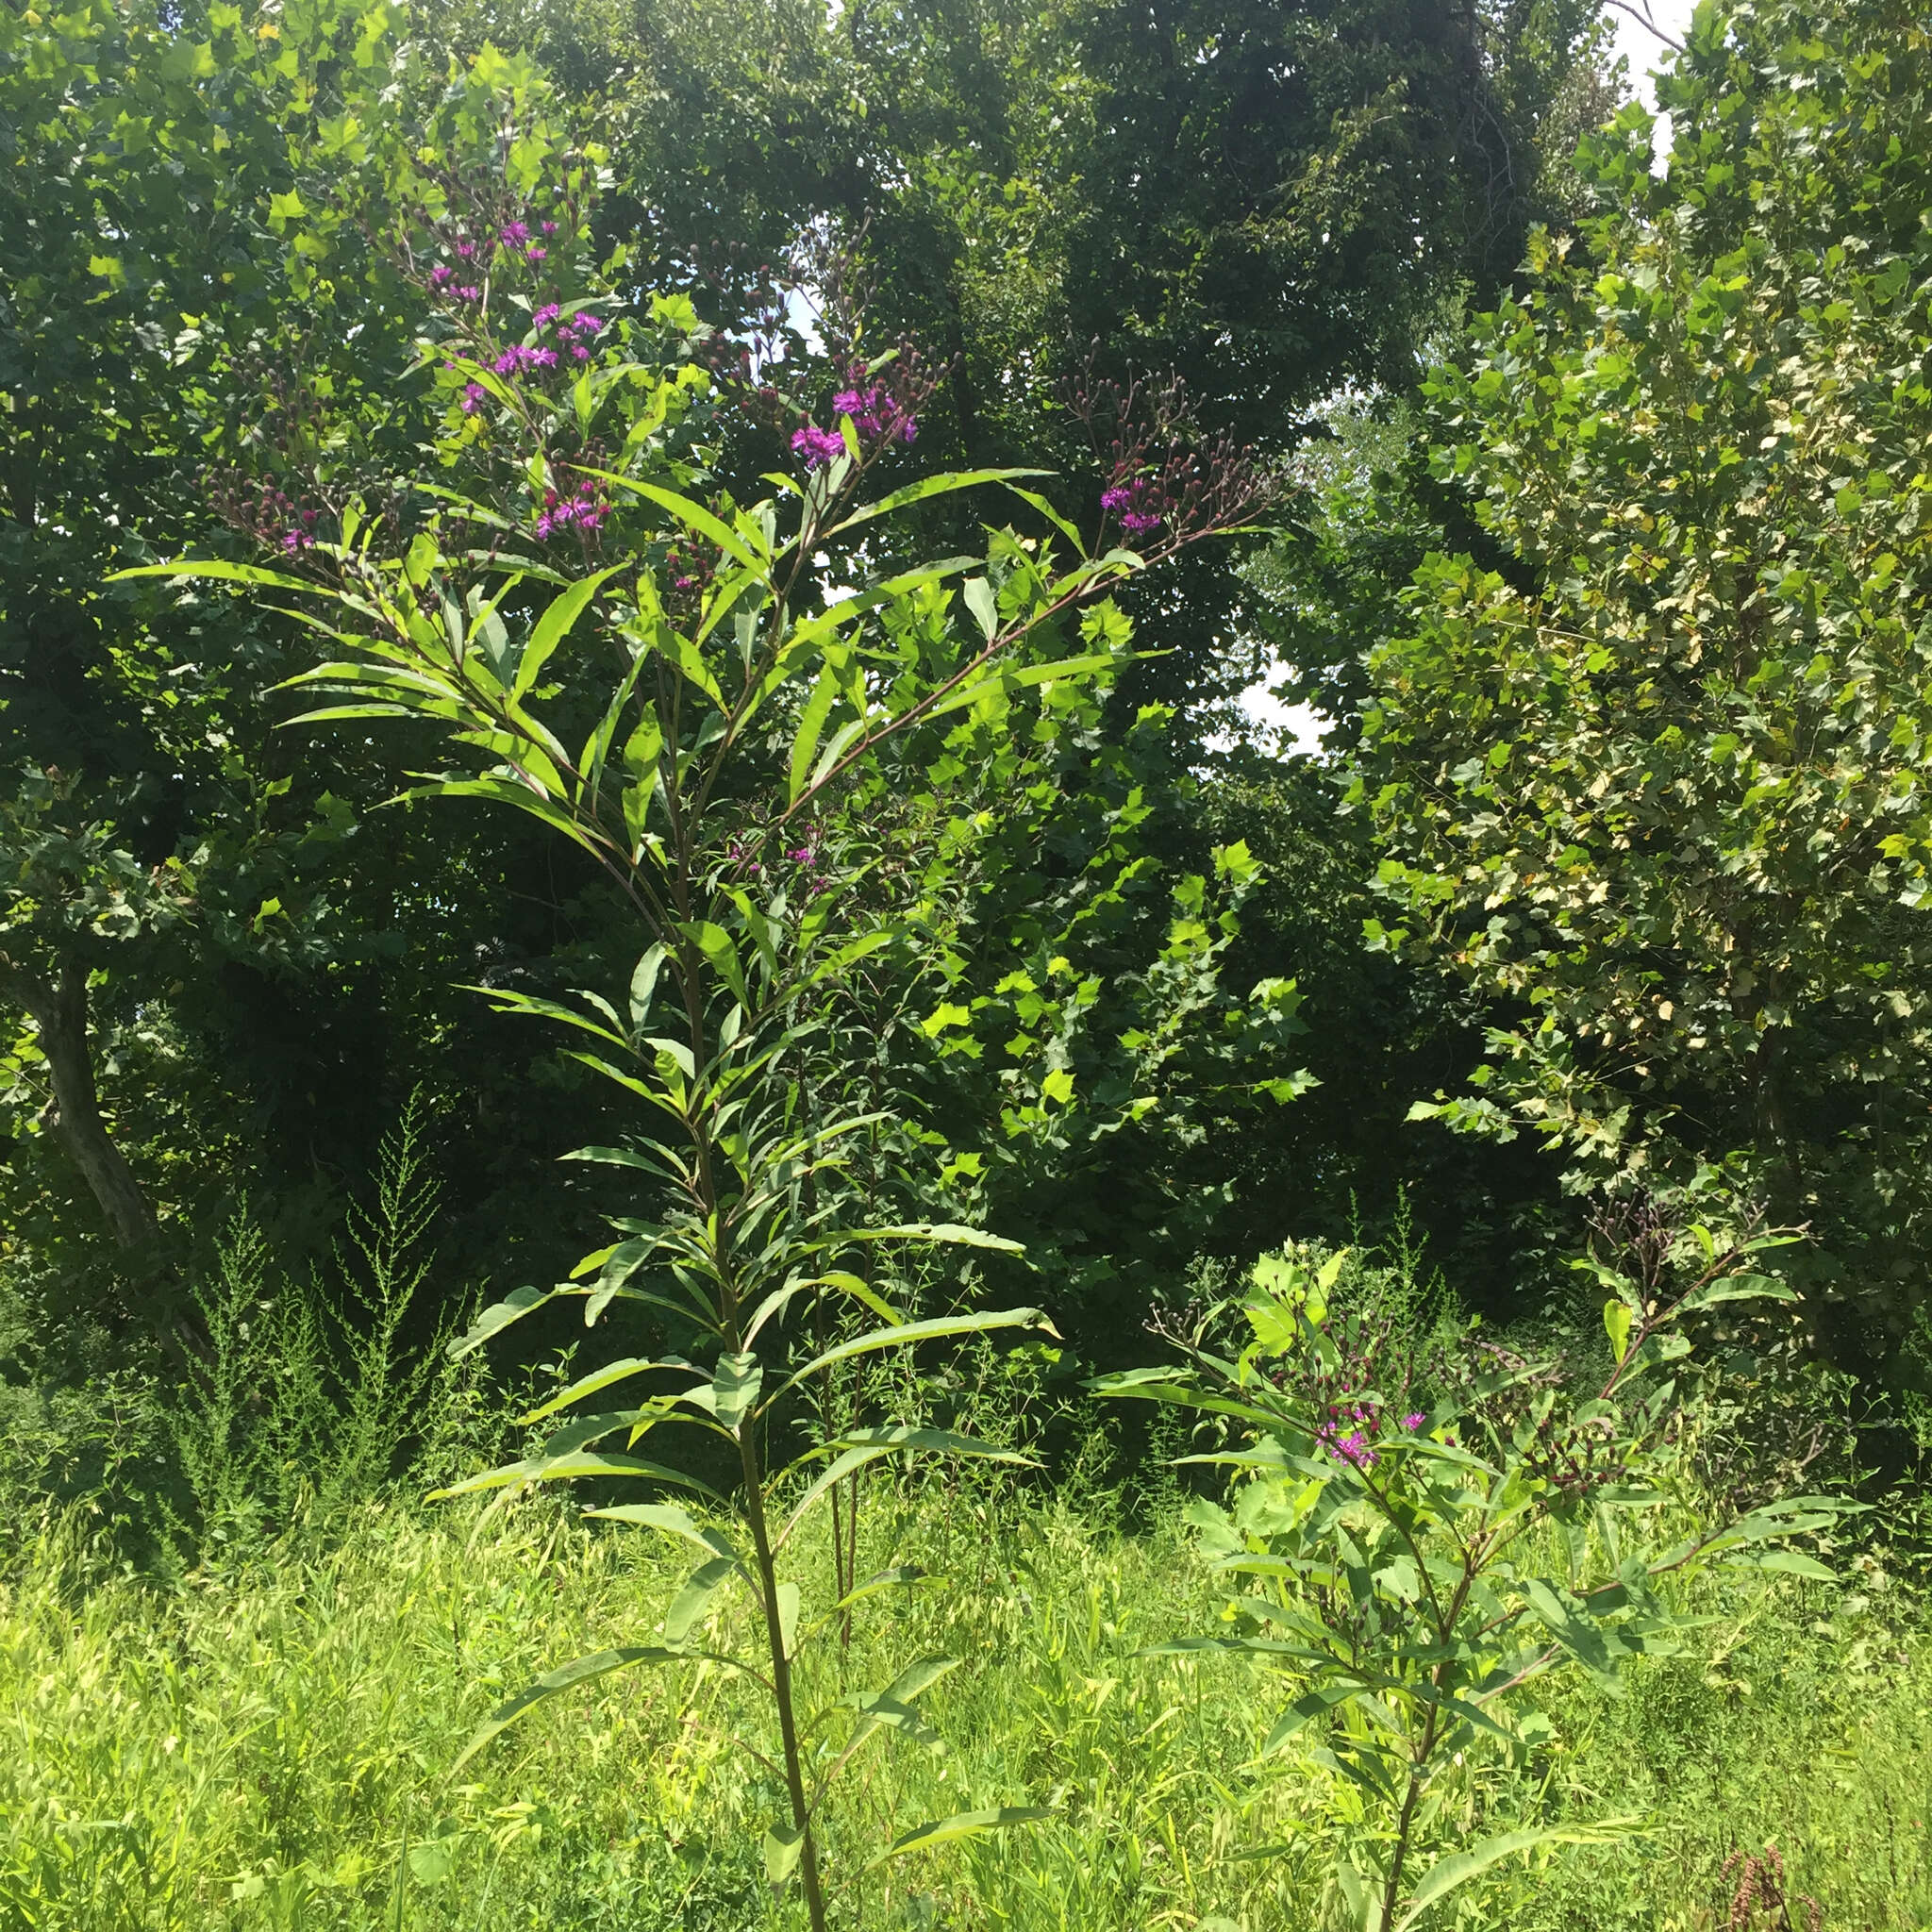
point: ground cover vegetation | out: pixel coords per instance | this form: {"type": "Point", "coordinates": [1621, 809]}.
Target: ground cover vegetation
{"type": "Point", "coordinates": [723, 1207]}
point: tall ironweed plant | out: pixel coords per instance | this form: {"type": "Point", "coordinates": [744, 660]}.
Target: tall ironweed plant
{"type": "Point", "coordinates": [701, 695]}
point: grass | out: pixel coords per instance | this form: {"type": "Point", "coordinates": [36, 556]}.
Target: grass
{"type": "Point", "coordinates": [268, 1747]}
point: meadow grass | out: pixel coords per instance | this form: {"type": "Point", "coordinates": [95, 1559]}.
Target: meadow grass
{"type": "Point", "coordinates": [268, 1746]}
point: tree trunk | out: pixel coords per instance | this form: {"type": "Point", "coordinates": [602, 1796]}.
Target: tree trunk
{"type": "Point", "coordinates": [59, 1010]}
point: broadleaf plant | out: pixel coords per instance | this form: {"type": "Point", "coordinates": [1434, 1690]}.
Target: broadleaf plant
{"type": "Point", "coordinates": [607, 639]}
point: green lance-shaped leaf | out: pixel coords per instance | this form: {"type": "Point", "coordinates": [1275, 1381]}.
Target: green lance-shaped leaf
{"type": "Point", "coordinates": [930, 486]}
{"type": "Point", "coordinates": [784, 1844]}
{"type": "Point", "coordinates": [1597, 1648]}
{"type": "Point", "coordinates": [669, 1520]}
{"type": "Point", "coordinates": [811, 725]}
{"type": "Point", "coordinates": [1735, 1288]}
{"type": "Point", "coordinates": [982, 600]}
{"type": "Point", "coordinates": [693, 516]}
{"type": "Point", "coordinates": [605, 1377]}
{"type": "Point", "coordinates": [864, 1446]}
{"type": "Point", "coordinates": [735, 1388]}
{"type": "Point", "coordinates": [839, 1280]}
{"type": "Point", "coordinates": [498, 1316]}
{"type": "Point", "coordinates": [904, 1333]}
{"type": "Point", "coordinates": [503, 1000]}
{"type": "Point", "coordinates": [570, 1467]}
{"type": "Point", "coordinates": [785, 1600]}
{"type": "Point", "coordinates": [892, 1708]}
{"type": "Point", "coordinates": [694, 1598]}
{"type": "Point", "coordinates": [962, 1825]}
{"type": "Point", "coordinates": [1617, 1319]}
{"type": "Point", "coordinates": [900, 1577]}
{"type": "Point", "coordinates": [1445, 1875]}
{"type": "Point", "coordinates": [556, 625]}
{"type": "Point", "coordinates": [1017, 677]}
{"type": "Point", "coordinates": [644, 984]}
{"type": "Point", "coordinates": [1313, 1704]}
{"type": "Point", "coordinates": [564, 1677]}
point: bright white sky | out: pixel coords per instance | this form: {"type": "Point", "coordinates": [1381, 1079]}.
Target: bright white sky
{"type": "Point", "coordinates": [1643, 49]}
{"type": "Point", "coordinates": [1645, 53]}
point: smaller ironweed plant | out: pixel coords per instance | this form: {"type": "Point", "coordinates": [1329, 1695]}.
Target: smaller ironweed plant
{"type": "Point", "coordinates": [1419, 1533]}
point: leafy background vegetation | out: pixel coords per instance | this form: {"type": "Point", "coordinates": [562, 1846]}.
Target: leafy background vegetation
{"type": "Point", "coordinates": [1494, 1140]}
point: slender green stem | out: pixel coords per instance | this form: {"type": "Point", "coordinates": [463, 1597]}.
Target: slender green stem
{"type": "Point", "coordinates": [781, 1669]}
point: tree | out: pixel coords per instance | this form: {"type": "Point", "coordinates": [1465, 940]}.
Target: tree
{"type": "Point", "coordinates": [1659, 778]}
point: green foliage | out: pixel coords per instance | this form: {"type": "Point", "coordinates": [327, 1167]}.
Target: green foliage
{"type": "Point", "coordinates": [269, 1742]}
{"type": "Point", "coordinates": [1427, 1536]}
{"type": "Point", "coordinates": [1652, 772]}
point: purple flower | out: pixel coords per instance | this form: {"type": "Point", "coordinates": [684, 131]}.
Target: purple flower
{"type": "Point", "coordinates": [1414, 1422]}
{"type": "Point", "coordinates": [466, 250]}
{"type": "Point", "coordinates": [296, 541]}
{"type": "Point", "coordinates": [507, 363]}
{"type": "Point", "coordinates": [474, 397]}
{"type": "Point", "coordinates": [440, 274]}
{"type": "Point", "coordinates": [545, 315]}
{"type": "Point", "coordinates": [469, 293]}
{"type": "Point", "coordinates": [818, 446]}
{"type": "Point", "coordinates": [516, 231]}
{"type": "Point", "coordinates": [549, 227]}
{"type": "Point", "coordinates": [535, 253]}
{"type": "Point", "coordinates": [582, 354]}
{"type": "Point", "coordinates": [543, 358]}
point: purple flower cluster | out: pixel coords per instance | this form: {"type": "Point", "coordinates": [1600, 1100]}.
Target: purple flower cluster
{"type": "Point", "coordinates": [573, 333]}
{"type": "Point", "coordinates": [1136, 502]}
{"type": "Point", "coordinates": [876, 413]}
{"type": "Point", "coordinates": [474, 397]}
{"type": "Point", "coordinates": [584, 512]}
{"type": "Point", "coordinates": [442, 281]}
{"type": "Point", "coordinates": [878, 416]}
{"type": "Point", "coordinates": [818, 446]}
{"type": "Point", "coordinates": [520, 241]}
{"type": "Point", "coordinates": [1348, 1431]}
{"type": "Point", "coordinates": [806, 856]}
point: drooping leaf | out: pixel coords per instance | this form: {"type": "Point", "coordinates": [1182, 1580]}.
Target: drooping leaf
{"type": "Point", "coordinates": [564, 1677]}
{"type": "Point", "coordinates": [964, 1824]}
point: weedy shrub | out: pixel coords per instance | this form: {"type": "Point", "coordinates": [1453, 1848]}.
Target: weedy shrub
{"type": "Point", "coordinates": [315, 1393]}
{"type": "Point", "coordinates": [612, 644]}
{"type": "Point", "coordinates": [1421, 1536]}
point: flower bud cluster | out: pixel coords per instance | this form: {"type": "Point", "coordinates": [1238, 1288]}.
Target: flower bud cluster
{"type": "Point", "coordinates": [1164, 478]}
{"type": "Point", "coordinates": [261, 509]}
{"type": "Point", "coordinates": [804, 865]}
{"type": "Point", "coordinates": [1356, 1383]}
